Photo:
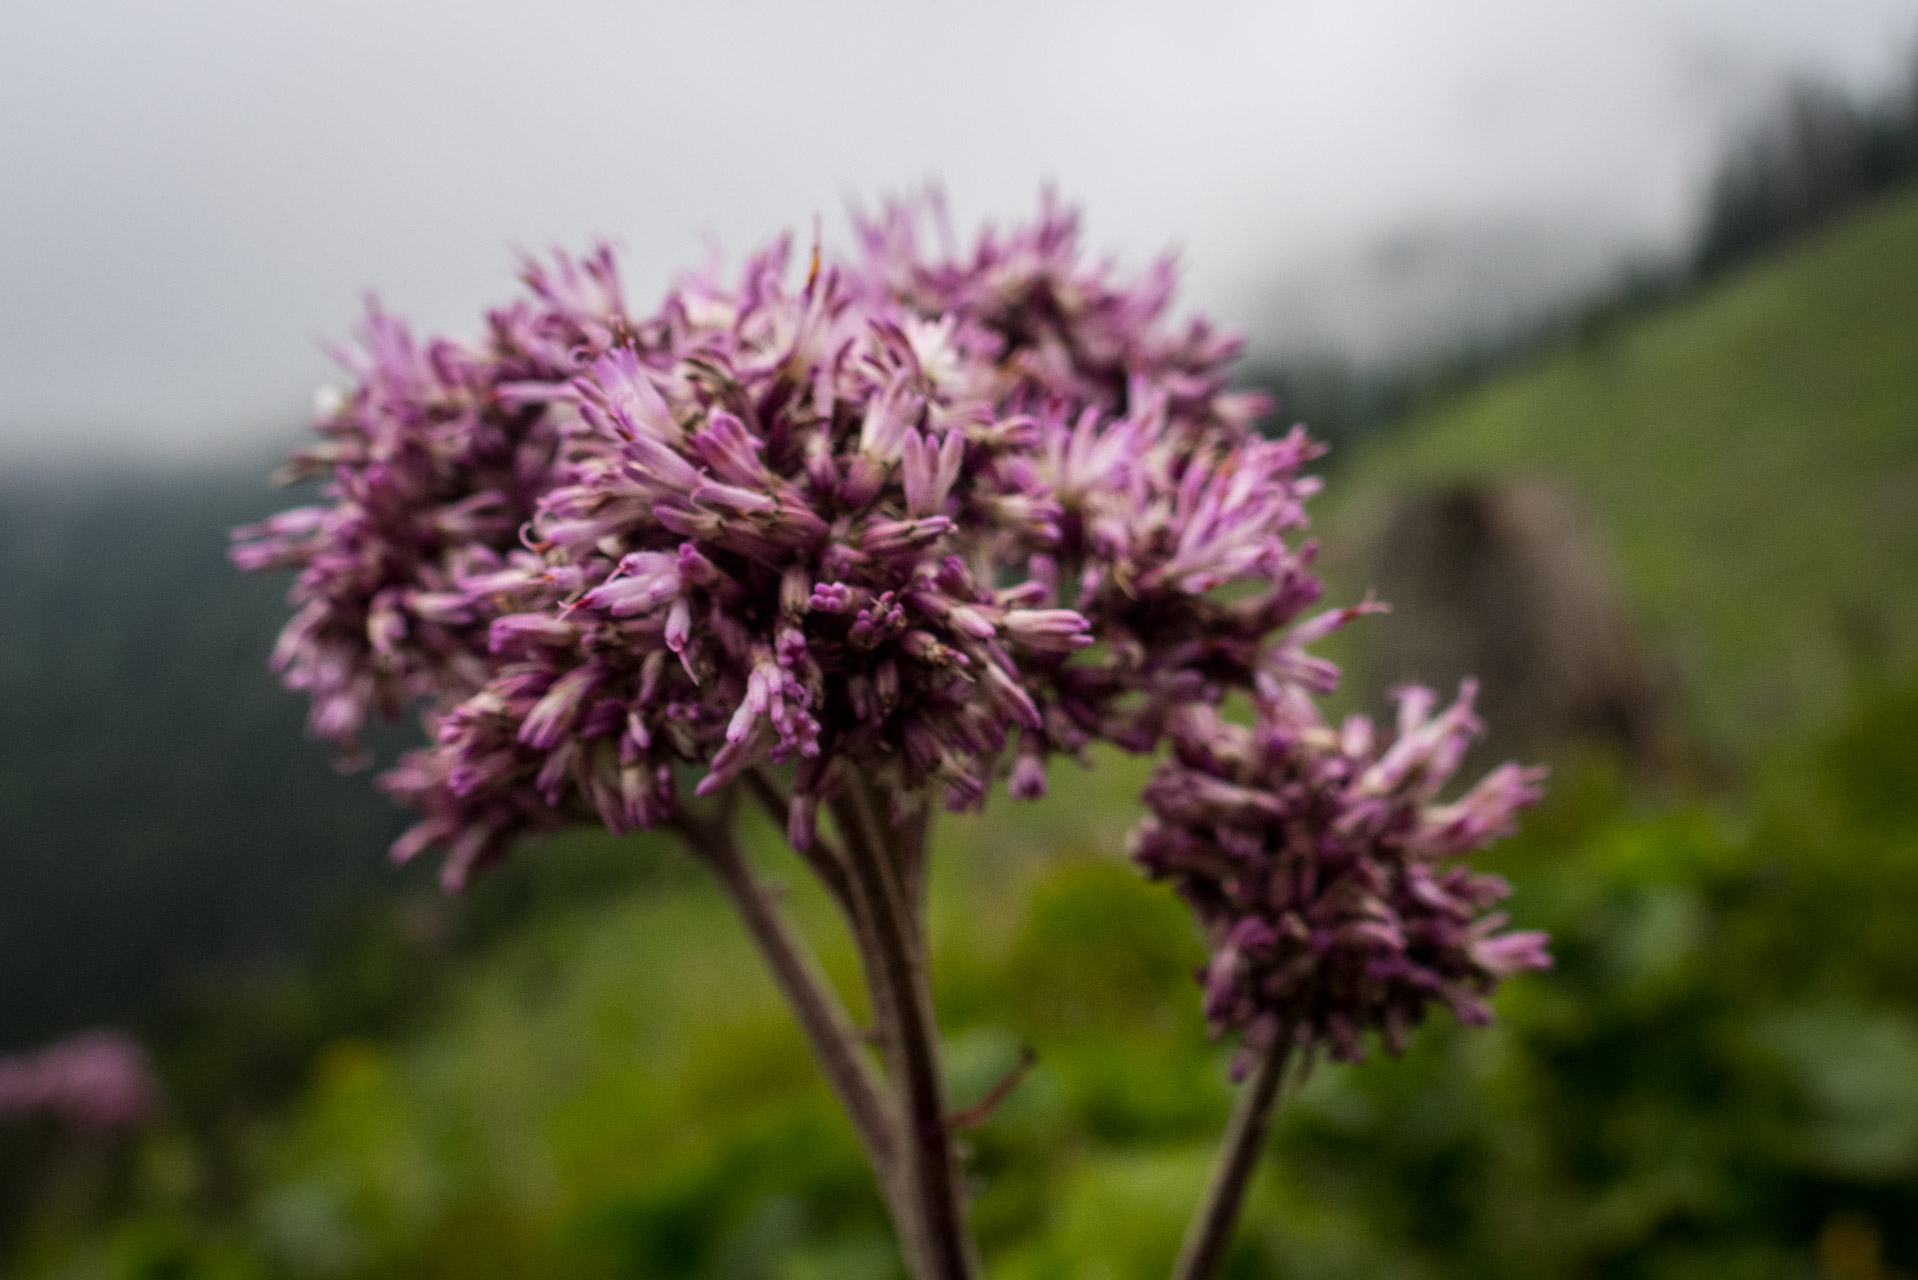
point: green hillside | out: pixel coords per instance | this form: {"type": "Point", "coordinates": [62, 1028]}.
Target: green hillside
{"type": "Point", "coordinates": [1753, 458]}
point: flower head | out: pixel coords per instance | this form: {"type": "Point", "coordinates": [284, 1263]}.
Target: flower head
{"type": "Point", "coordinates": [932, 517]}
{"type": "Point", "coordinates": [431, 464]}
{"type": "Point", "coordinates": [1323, 867]}
{"type": "Point", "coordinates": [1076, 331]}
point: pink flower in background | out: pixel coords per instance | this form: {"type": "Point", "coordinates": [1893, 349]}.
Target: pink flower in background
{"type": "Point", "coordinates": [96, 1080]}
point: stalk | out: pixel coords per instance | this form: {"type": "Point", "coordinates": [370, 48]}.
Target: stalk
{"type": "Point", "coordinates": [929, 1170]}
{"type": "Point", "coordinates": [821, 1014]}
{"type": "Point", "coordinates": [824, 861]}
{"type": "Point", "coordinates": [876, 876]}
{"type": "Point", "coordinates": [1211, 1230]}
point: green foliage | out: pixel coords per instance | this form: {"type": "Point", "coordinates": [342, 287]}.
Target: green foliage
{"type": "Point", "coordinates": [1722, 1066]}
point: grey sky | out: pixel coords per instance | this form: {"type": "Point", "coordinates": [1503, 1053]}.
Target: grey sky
{"type": "Point", "coordinates": [192, 193]}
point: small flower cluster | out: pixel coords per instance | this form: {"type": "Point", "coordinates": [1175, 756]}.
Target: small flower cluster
{"type": "Point", "coordinates": [933, 518]}
{"type": "Point", "coordinates": [1324, 868]}
{"type": "Point", "coordinates": [433, 462]}
{"type": "Point", "coordinates": [97, 1080]}
{"type": "Point", "coordinates": [1073, 333]}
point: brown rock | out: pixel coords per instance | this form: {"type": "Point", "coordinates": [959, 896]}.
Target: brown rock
{"type": "Point", "coordinates": [1508, 581]}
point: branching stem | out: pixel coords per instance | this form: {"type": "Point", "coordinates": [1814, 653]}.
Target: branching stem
{"type": "Point", "coordinates": [825, 861]}
{"type": "Point", "coordinates": [981, 1111]}
{"type": "Point", "coordinates": [821, 1014]}
{"type": "Point", "coordinates": [875, 874]}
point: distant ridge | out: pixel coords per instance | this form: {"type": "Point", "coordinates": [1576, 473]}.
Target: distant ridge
{"type": "Point", "coordinates": [160, 813]}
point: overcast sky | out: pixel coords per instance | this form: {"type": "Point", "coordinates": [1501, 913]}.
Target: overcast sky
{"type": "Point", "coordinates": [192, 194]}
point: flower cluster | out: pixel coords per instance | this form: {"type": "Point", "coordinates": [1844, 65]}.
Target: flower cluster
{"type": "Point", "coordinates": [932, 517]}
{"type": "Point", "coordinates": [98, 1080]}
{"type": "Point", "coordinates": [432, 464]}
{"type": "Point", "coordinates": [1072, 332]}
{"type": "Point", "coordinates": [1324, 868]}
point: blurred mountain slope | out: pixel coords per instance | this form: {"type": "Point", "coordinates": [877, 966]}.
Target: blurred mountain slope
{"type": "Point", "coordinates": [1750, 458]}
{"type": "Point", "coordinates": [159, 810]}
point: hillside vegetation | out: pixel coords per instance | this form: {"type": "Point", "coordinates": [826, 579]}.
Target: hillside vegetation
{"type": "Point", "coordinates": [1752, 461]}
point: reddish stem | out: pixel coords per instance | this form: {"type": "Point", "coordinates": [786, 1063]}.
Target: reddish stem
{"type": "Point", "coordinates": [1205, 1242]}
{"type": "Point", "coordinates": [835, 1041]}
{"type": "Point", "coordinates": [929, 1170]}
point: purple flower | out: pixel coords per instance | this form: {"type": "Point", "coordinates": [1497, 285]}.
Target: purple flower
{"type": "Point", "coordinates": [97, 1080]}
{"type": "Point", "coordinates": [1320, 862]}
{"type": "Point", "coordinates": [1074, 333]}
{"type": "Point", "coordinates": [931, 518]}
{"type": "Point", "coordinates": [430, 465]}
{"type": "Point", "coordinates": [900, 528]}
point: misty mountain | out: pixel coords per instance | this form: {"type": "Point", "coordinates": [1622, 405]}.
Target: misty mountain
{"type": "Point", "coordinates": [160, 811]}
{"type": "Point", "coordinates": [1435, 289]}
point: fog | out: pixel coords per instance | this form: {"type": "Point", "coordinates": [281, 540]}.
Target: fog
{"type": "Point", "coordinates": [192, 196]}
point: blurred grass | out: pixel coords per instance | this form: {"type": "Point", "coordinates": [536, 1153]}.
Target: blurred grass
{"type": "Point", "coordinates": [1720, 1079]}
{"type": "Point", "coordinates": [1720, 1064]}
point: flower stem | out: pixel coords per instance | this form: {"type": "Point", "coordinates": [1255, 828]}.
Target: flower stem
{"type": "Point", "coordinates": [937, 1238]}
{"type": "Point", "coordinates": [1211, 1230]}
{"type": "Point", "coordinates": [818, 1008]}
{"type": "Point", "coordinates": [825, 863]}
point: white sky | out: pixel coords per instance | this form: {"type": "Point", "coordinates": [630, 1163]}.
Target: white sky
{"type": "Point", "coordinates": [192, 194]}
